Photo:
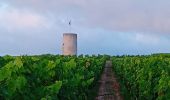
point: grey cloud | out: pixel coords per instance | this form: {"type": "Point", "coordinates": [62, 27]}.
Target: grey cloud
{"type": "Point", "coordinates": [116, 15]}
{"type": "Point", "coordinates": [103, 26]}
{"type": "Point", "coordinates": [130, 15]}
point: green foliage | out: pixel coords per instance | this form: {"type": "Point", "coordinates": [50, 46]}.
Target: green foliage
{"type": "Point", "coordinates": [49, 77]}
{"type": "Point", "coordinates": [145, 77]}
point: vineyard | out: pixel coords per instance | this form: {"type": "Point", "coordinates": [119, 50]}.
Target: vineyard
{"type": "Point", "coordinates": [144, 77]}
{"type": "Point", "coordinates": [56, 77]}
{"type": "Point", "coordinates": [49, 77]}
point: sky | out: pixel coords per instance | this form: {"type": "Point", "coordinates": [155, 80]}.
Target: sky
{"type": "Point", "coordinates": [114, 27]}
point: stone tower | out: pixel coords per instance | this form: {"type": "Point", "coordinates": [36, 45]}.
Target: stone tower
{"type": "Point", "coordinates": [69, 44]}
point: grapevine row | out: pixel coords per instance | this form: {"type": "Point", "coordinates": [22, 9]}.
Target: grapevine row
{"type": "Point", "coordinates": [144, 77]}
{"type": "Point", "coordinates": [49, 77]}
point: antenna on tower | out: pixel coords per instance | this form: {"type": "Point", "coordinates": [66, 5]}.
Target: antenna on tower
{"type": "Point", "coordinates": [70, 25]}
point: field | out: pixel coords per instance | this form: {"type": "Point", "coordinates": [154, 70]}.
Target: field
{"type": "Point", "coordinates": [144, 77]}
{"type": "Point", "coordinates": [55, 77]}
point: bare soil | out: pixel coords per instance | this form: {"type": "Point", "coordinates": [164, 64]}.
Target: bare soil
{"type": "Point", "coordinates": [109, 88]}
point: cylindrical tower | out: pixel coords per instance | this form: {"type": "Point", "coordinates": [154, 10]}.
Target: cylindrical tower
{"type": "Point", "coordinates": [69, 44]}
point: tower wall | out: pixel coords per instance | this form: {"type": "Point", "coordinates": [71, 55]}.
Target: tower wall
{"type": "Point", "coordinates": [69, 44]}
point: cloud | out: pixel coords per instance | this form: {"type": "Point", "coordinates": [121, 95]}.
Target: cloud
{"type": "Point", "coordinates": [130, 15]}
{"type": "Point", "coordinates": [116, 15]}
{"type": "Point", "coordinates": [13, 19]}
{"type": "Point", "coordinates": [147, 39]}
{"type": "Point", "coordinates": [103, 26]}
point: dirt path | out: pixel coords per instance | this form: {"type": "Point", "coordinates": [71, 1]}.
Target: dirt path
{"type": "Point", "coordinates": [109, 87]}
